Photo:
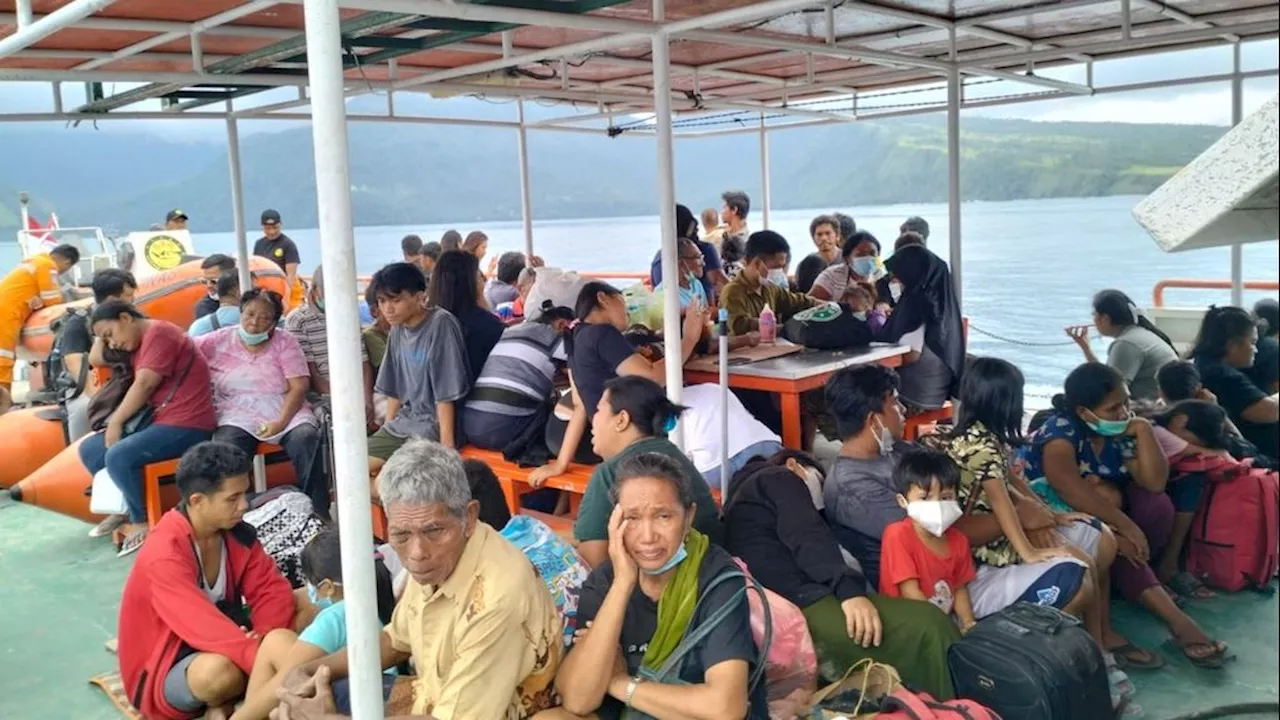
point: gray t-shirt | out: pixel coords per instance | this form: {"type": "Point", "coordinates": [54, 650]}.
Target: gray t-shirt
{"type": "Point", "coordinates": [859, 494]}
{"type": "Point", "coordinates": [423, 366]}
{"type": "Point", "coordinates": [1137, 354]}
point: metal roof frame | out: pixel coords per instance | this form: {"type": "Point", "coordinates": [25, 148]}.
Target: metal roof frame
{"type": "Point", "coordinates": [916, 48]}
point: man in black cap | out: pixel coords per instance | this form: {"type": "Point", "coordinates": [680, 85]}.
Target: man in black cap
{"type": "Point", "coordinates": [275, 246]}
{"type": "Point", "coordinates": [175, 220]}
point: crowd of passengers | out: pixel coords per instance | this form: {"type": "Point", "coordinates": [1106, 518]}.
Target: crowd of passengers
{"type": "Point", "coordinates": [891, 552]}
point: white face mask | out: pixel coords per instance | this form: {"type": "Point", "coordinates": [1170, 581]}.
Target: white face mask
{"type": "Point", "coordinates": [895, 291]}
{"type": "Point", "coordinates": [813, 481]}
{"type": "Point", "coordinates": [778, 277]}
{"type": "Point", "coordinates": [884, 438]}
{"type": "Point", "coordinates": [935, 516]}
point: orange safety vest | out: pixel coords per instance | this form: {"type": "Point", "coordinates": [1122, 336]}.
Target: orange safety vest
{"type": "Point", "coordinates": [29, 287]}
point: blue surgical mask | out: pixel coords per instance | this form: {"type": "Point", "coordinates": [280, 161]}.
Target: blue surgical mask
{"type": "Point", "coordinates": [254, 338]}
{"type": "Point", "coordinates": [1107, 428]}
{"type": "Point", "coordinates": [320, 304]}
{"type": "Point", "coordinates": [864, 266]}
{"type": "Point", "coordinates": [314, 596]}
{"type": "Point", "coordinates": [778, 277]}
{"type": "Point", "coordinates": [675, 560]}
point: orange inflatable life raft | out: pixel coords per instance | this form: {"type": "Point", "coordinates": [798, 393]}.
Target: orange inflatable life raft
{"type": "Point", "coordinates": [170, 295]}
{"type": "Point", "coordinates": [59, 485]}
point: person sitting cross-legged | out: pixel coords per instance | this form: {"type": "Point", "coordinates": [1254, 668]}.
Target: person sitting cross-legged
{"type": "Point", "coordinates": [203, 598]}
{"type": "Point", "coordinates": [475, 617]}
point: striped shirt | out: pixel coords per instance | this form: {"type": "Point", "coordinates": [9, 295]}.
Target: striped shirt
{"type": "Point", "coordinates": [308, 325]}
{"type": "Point", "coordinates": [517, 378]}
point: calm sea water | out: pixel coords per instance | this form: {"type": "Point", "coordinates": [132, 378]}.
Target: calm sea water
{"type": "Point", "coordinates": [1030, 266]}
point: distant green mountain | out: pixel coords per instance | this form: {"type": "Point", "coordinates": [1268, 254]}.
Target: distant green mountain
{"type": "Point", "coordinates": [408, 174]}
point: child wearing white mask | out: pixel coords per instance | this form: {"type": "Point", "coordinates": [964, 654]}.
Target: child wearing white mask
{"type": "Point", "coordinates": [923, 557]}
{"type": "Point", "coordinates": [321, 565]}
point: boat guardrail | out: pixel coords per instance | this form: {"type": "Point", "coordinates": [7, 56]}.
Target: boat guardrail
{"type": "Point", "coordinates": [1157, 291]}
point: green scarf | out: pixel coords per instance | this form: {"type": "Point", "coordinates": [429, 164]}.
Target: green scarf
{"type": "Point", "coordinates": [678, 601]}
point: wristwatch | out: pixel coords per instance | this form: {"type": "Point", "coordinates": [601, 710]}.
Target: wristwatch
{"type": "Point", "coordinates": [631, 689]}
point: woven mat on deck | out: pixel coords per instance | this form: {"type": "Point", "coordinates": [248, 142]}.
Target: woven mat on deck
{"type": "Point", "coordinates": [111, 684]}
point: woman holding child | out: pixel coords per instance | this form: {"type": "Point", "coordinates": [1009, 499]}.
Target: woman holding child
{"type": "Point", "coordinates": [1092, 456]}
{"type": "Point", "coordinates": [774, 525]}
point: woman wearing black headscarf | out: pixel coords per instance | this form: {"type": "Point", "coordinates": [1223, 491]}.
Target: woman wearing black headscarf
{"type": "Point", "coordinates": [926, 315]}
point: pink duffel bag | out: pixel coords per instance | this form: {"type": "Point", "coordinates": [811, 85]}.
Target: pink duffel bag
{"type": "Point", "coordinates": [791, 665]}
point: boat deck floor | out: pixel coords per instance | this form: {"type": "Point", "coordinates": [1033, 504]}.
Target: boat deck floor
{"type": "Point", "coordinates": [60, 594]}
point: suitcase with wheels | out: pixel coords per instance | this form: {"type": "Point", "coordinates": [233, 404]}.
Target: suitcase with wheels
{"type": "Point", "coordinates": [1032, 661]}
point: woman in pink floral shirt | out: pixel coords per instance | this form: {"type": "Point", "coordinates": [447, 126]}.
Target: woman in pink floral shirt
{"type": "Point", "coordinates": [260, 380]}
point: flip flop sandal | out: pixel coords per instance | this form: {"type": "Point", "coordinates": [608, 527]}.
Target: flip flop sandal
{"type": "Point", "coordinates": [132, 543]}
{"type": "Point", "coordinates": [1214, 661]}
{"type": "Point", "coordinates": [1125, 660]}
{"type": "Point", "coordinates": [1178, 600]}
{"type": "Point", "coordinates": [1186, 585]}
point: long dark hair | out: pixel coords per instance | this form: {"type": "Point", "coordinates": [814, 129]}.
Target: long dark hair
{"type": "Point", "coordinates": [1206, 420]}
{"type": "Point", "coordinates": [1220, 326]}
{"type": "Point", "coordinates": [589, 297]}
{"type": "Point", "coordinates": [646, 403]}
{"type": "Point", "coordinates": [1086, 386]}
{"type": "Point", "coordinates": [112, 310]}
{"type": "Point", "coordinates": [1123, 312]}
{"type": "Point", "coordinates": [991, 394]}
{"type": "Point", "coordinates": [455, 282]}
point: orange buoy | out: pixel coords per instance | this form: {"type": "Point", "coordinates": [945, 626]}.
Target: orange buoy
{"type": "Point", "coordinates": [28, 438]}
{"type": "Point", "coordinates": [170, 295]}
{"type": "Point", "coordinates": [59, 485]}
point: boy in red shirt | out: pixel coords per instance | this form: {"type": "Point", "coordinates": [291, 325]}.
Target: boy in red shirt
{"type": "Point", "coordinates": [922, 557]}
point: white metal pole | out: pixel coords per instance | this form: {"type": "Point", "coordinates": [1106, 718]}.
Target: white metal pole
{"type": "Point", "coordinates": [1237, 114]}
{"type": "Point", "coordinates": [337, 251]}
{"type": "Point", "coordinates": [64, 17]}
{"type": "Point", "coordinates": [25, 217]}
{"type": "Point", "coordinates": [526, 203]}
{"type": "Point", "coordinates": [722, 328]}
{"type": "Point", "coordinates": [237, 204]}
{"type": "Point", "coordinates": [953, 170]}
{"type": "Point", "coordinates": [764, 173]}
{"type": "Point", "coordinates": [24, 13]}
{"type": "Point", "coordinates": [667, 212]}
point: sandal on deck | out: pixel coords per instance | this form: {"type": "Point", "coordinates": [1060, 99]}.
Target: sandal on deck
{"type": "Point", "coordinates": [1186, 585]}
{"type": "Point", "coordinates": [1220, 656]}
{"type": "Point", "coordinates": [1129, 657]}
{"type": "Point", "coordinates": [132, 542]}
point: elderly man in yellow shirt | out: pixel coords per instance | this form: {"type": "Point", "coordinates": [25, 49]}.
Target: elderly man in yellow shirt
{"type": "Point", "coordinates": [478, 622]}
{"type": "Point", "coordinates": [27, 288]}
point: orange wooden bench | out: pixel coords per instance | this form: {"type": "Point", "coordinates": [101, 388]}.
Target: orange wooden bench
{"type": "Point", "coordinates": [158, 476]}
{"type": "Point", "coordinates": [515, 479]}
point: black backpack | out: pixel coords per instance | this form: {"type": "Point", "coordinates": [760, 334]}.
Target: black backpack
{"type": "Point", "coordinates": [827, 327]}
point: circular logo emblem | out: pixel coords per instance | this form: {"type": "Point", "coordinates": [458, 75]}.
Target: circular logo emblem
{"type": "Point", "coordinates": [163, 252]}
{"type": "Point", "coordinates": [278, 252]}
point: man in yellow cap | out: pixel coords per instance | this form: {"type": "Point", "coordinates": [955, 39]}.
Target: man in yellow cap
{"type": "Point", "coordinates": [27, 288]}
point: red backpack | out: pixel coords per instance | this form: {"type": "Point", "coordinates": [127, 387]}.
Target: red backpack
{"type": "Point", "coordinates": [1234, 534]}
{"type": "Point", "coordinates": [905, 705]}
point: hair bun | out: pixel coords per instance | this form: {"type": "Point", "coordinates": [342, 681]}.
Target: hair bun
{"type": "Point", "coordinates": [1059, 402]}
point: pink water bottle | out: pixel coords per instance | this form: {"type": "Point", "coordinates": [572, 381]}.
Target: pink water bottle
{"type": "Point", "coordinates": [768, 326]}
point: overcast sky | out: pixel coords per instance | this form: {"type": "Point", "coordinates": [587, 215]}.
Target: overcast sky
{"type": "Point", "coordinates": [1187, 104]}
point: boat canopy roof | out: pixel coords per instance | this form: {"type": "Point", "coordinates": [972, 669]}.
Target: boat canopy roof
{"type": "Point", "coordinates": [794, 60]}
{"type": "Point", "coordinates": [1227, 195]}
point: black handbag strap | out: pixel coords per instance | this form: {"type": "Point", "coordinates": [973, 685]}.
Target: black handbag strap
{"type": "Point", "coordinates": [177, 383]}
